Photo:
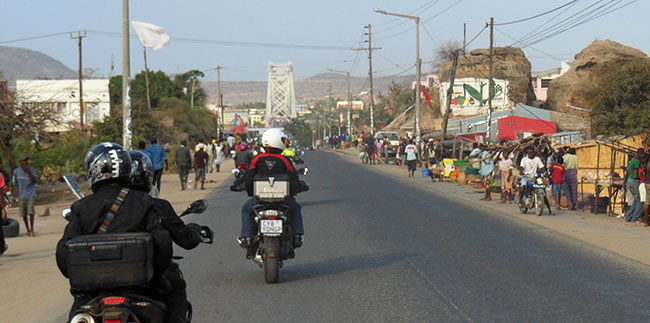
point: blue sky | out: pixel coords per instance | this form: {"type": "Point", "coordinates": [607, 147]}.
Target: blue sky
{"type": "Point", "coordinates": [332, 23]}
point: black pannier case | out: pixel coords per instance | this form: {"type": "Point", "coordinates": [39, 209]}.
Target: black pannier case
{"type": "Point", "coordinates": [110, 260]}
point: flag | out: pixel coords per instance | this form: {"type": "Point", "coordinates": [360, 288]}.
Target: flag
{"type": "Point", "coordinates": [151, 35]}
{"type": "Point", "coordinates": [426, 95]}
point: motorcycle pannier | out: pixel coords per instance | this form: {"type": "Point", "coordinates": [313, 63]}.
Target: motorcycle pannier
{"type": "Point", "coordinates": [110, 260]}
{"type": "Point", "coordinates": [271, 188]}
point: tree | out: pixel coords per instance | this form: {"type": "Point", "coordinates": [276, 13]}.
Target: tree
{"type": "Point", "coordinates": [622, 98]}
{"type": "Point", "coordinates": [388, 106]}
{"type": "Point", "coordinates": [189, 81]}
{"type": "Point", "coordinates": [301, 130]}
{"type": "Point", "coordinates": [445, 52]}
{"type": "Point", "coordinates": [160, 86]}
{"type": "Point", "coordinates": [24, 122]}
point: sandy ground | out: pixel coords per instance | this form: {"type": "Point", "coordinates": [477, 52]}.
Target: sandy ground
{"type": "Point", "coordinates": [609, 233]}
{"type": "Point", "coordinates": [33, 289]}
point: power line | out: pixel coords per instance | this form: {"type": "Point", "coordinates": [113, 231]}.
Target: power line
{"type": "Point", "coordinates": [535, 49]}
{"type": "Point", "coordinates": [548, 21]}
{"type": "Point", "coordinates": [35, 37]}
{"type": "Point", "coordinates": [428, 34]}
{"type": "Point", "coordinates": [414, 12]}
{"type": "Point", "coordinates": [478, 34]}
{"type": "Point", "coordinates": [536, 16]}
{"type": "Point", "coordinates": [423, 21]}
{"type": "Point", "coordinates": [232, 43]}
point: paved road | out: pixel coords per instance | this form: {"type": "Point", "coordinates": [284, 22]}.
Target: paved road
{"type": "Point", "coordinates": [380, 249]}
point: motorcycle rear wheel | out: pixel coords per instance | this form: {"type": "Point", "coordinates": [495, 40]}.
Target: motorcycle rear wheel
{"type": "Point", "coordinates": [271, 260]}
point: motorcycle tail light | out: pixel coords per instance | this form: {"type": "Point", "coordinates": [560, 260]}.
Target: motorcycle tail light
{"type": "Point", "coordinates": [271, 218]}
{"type": "Point", "coordinates": [114, 300]}
{"type": "Point", "coordinates": [112, 321]}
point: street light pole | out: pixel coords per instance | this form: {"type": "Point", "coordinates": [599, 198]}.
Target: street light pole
{"type": "Point", "coordinates": [126, 73]}
{"type": "Point", "coordinates": [417, 65]}
{"type": "Point", "coordinates": [349, 100]}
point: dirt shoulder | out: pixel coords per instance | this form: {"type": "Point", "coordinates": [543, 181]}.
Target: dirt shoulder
{"type": "Point", "coordinates": [599, 230]}
{"type": "Point", "coordinates": [33, 289]}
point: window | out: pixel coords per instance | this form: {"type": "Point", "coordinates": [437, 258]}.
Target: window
{"type": "Point", "coordinates": [93, 112]}
{"type": "Point", "coordinates": [545, 83]}
{"type": "Point", "coordinates": [61, 108]}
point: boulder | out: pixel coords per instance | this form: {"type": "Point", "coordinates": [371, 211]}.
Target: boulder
{"type": "Point", "coordinates": [572, 87]}
{"type": "Point", "coordinates": [509, 63]}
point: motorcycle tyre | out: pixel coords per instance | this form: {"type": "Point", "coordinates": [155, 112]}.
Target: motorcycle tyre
{"type": "Point", "coordinates": [539, 204]}
{"type": "Point", "coordinates": [11, 228]}
{"type": "Point", "coordinates": [271, 260]}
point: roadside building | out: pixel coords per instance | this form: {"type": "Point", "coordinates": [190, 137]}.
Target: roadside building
{"type": "Point", "coordinates": [542, 80]}
{"type": "Point", "coordinates": [64, 96]}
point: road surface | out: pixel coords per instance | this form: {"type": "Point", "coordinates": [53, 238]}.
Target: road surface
{"type": "Point", "coordinates": [379, 248]}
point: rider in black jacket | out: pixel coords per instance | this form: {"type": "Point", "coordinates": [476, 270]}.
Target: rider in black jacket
{"type": "Point", "coordinates": [186, 236]}
{"type": "Point", "coordinates": [109, 170]}
{"type": "Point", "coordinates": [271, 162]}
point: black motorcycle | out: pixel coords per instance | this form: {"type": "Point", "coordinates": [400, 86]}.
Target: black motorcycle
{"type": "Point", "coordinates": [119, 266]}
{"type": "Point", "coordinates": [274, 242]}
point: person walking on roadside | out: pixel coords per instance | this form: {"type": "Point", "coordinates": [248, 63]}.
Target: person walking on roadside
{"type": "Point", "coordinates": [200, 161]}
{"type": "Point", "coordinates": [507, 178]}
{"type": "Point", "coordinates": [3, 214]}
{"type": "Point", "coordinates": [218, 155]}
{"type": "Point", "coordinates": [633, 182]}
{"type": "Point", "coordinates": [557, 178]}
{"type": "Point", "coordinates": [25, 182]}
{"type": "Point", "coordinates": [183, 162]}
{"type": "Point", "coordinates": [158, 157]}
{"type": "Point", "coordinates": [570, 178]}
{"type": "Point", "coordinates": [411, 157]}
{"type": "Point", "coordinates": [487, 169]}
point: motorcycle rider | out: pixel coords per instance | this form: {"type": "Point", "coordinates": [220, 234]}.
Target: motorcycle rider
{"type": "Point", "coordinates": [271, 162]}
{"type": "Point", "coordinates": [531, 164]}
{"type": "Point", "coordinates": [109, 169]}
{"type": "Point", "coordinates": [243, 156]}
{"type": "Point", "coordinates": [186, 236]}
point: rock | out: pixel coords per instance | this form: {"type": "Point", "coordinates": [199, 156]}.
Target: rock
{"type": "Point", "coordinates": [42, 212]}
{"type": "Point", "coordinates": [572, 87]}
{"type": "Point", "coordinates": [509, 63]}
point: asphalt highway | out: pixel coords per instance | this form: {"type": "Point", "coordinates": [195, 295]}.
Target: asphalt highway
{"type": "Point", "coordinates": [379, 248]}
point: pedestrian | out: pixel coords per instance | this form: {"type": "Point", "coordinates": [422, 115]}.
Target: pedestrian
{"type": "Point", "coordinates": [507, 178]}
{"type": "Point", "coordinates": [557, 178]}
{"type": "Point", "coordinates": [487, 169]}
{"type": "Point", "coordinates": [633, 182]}
{"type": "Point", "coordinates": [411, 157]}
{"type": "Point", "coordinates": [25, 182]}
{"type": "Point", "coordinates": [183, 162]}
{"type": "Point", "coordinates": [5, 191]}
{"type": "Point", "coordinates": [218, 155]}
{"type": "Point", "coordinates": [402, 152]}
{"type": "Point", "coordinates": [231, 142]}
{"type": "Point", "coordinates": [158, 157]}
{"type": "Point", "coordinates": [645, 166]}
{"type": "Point", "coordinates": [200, 161]}
{"type": "Point", "coordinates": [570, 178]}
{"type": "Point", "coordinates": [3, 214]}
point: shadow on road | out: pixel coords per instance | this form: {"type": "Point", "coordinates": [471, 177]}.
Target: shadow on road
{"type": "Point", "coordinates": [340, 265]}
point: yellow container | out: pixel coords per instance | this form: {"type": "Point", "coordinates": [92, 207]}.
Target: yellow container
{"type": "Point", "coordinates": [449, 166]}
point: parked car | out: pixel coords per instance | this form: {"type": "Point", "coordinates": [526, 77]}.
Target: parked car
{"type": "Point", "coordinates": [393, 136]}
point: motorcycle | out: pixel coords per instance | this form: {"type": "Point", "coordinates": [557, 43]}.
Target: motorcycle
{"type": "Point", "coordinates": [274, 240]}
{"type": "Point", "coordinates": [535, 194]}
{"type": "Point", "coordinates": [119, 265]}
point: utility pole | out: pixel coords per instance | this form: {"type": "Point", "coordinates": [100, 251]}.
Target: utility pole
{"type": "Point", "coordinates": [490, 83]}
{"type": "Point", "coordinates": [418, 62]}
{"type": "Point", "coordinates": [126, 74]}
{"type": "Point", "coordinates": [372, 98]}
{"type": "Point", "coordinates": [146, 78]}
{"type": "Point", "coordinates": [219, 97]}
{"type": "Point", "coordinates": [349, 101]}
{"type": "Point", "coordinates": [221, 100]}
{"type": "Point", "coordinates": [464, 37]}
{"type": "Point", "coordinates": [450, 93]}
{"type": "Point", "coordinates": [82, 109]}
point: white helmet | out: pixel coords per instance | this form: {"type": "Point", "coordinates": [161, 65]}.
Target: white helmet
{"type": "Point", "coordinates": [274, 138]}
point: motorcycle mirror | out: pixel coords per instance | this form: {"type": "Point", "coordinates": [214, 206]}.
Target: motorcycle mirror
{"type": "Point", "coordinates": [207, 235]}
{"type": "Point", "coordinates": [235, 171]}
{"type": "Point", "coordinates": [232, 153]}
{"type": "Point", "coordinates": [198, 206]}
{"type": "Point", "coordinates": [305, 171]}
{"type": "Point", "coordinates": [302, 153]}
{"type": "Point", "coordinates": [65, 213]}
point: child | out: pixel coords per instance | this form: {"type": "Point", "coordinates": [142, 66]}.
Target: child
{"type": "Point", "coordinates": [557, 173]}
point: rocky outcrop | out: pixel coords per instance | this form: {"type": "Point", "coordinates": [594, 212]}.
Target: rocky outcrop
{"type": "Point", "coordinates": [574, 86]}
{"type": "Point", "coordinates": [509, 63]}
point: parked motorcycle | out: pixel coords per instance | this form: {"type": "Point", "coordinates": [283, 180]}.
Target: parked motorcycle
{"type": "Point", "coordinates": [535, 194]}
{"type": "Point", "coordinates": [274, 240]}
{"type": "Point", "coordinates": [119, 264]}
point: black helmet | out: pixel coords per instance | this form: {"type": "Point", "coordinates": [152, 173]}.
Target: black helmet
{"type": "Point", "coordinates": [142, 171]}
{"type": "Point", "coordinates": [107, 162]}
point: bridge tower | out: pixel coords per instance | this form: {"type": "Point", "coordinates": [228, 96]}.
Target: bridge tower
{"type": "Point", "coordinates": [280, 95]}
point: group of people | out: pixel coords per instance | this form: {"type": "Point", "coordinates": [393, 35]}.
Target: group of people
{"type": "Point", "coordinates": [637, 180]}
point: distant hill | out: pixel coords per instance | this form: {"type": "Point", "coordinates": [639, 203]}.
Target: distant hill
{"type": "Point", "coordinates": [21, 63]}
{"type": "Point", "coordinates": [315, 87]}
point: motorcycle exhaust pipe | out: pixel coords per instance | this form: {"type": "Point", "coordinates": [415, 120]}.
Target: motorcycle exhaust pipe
{"type": "Point", "coordinates": [83, 318]}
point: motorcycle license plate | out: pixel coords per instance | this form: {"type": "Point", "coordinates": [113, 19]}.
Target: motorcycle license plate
{"type": "Point", "coordinates": [271, 226]}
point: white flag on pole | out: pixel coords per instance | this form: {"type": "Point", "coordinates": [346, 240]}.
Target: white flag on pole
{"type": "Point", "coordinates": [150, 35]}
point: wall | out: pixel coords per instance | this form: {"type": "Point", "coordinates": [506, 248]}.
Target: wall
{"type": "Point", "coordinates": [470, 96]}
{"type": "Point", "coordinates": [510, 126]}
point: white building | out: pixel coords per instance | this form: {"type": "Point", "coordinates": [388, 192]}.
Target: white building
{"type": "Point", "coordinates": [542, 80]}
{"type": "Point", "coordinates": [470, 96]}
{"type": "Point", "coordinates": [356, 105]}
{"type": "Point", "coordinates": [64, 95]}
